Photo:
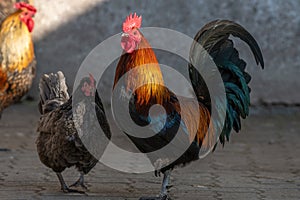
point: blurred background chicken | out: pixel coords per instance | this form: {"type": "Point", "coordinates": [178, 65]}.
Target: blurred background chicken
{"type": "Point", "coordinates": [17, 58]}
{"type": "Point", "coordinates": [59, 143]}
{"type": "Point", "coordinates": [139, 54]}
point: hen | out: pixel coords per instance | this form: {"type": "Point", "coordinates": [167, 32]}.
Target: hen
{"type": "Point", "coordinates": [63, 123]}
{"type": "Point", "coordinates": [138, 53]}
{"type": "Point", "coordinates": [17, 59]}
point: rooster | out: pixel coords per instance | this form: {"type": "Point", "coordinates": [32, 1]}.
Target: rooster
{"type": "Point", "coordinates": [17, 59]}
{"type": "Point", "coordinates": [59, 143]}
{"type": "Point", "coordinates": [137, 53]}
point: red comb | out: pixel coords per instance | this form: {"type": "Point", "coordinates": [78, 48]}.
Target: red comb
{"type": "Point", "coordinates": [92, 79]}
{"type": "Point", "coordinates": [29, 7]}
{"type": "Point", "coordinates": [132, 21]}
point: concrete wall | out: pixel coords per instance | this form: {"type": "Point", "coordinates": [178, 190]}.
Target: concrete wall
{"type": "Point", "coordinates": [66, 31]}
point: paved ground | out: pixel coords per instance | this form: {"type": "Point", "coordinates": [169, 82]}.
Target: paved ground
{"type": "Point", "coordinates": [261, 163]}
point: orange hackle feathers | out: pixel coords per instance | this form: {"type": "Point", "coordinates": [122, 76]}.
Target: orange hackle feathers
{"type": "Point", "coordinates": [132, 21]}
{"type": "Point", "coordinates": [11, 48]}
{"type": "Point", "coordinates": [148, 72]}
{"type": "Point", "coordinates": [141, 66]}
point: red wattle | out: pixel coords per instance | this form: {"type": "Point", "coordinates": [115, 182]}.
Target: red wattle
{"type": "Point", "coordinates": [128, 44]}
{"type": "Point", "coordinates": [30, 24]}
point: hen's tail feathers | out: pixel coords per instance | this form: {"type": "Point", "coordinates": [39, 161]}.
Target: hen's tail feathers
{"type": "Point", "coordinates": [53, 91]}
{"type": "Point", "coordinates": [214, 38]}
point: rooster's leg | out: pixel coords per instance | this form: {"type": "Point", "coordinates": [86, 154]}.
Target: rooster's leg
{"type": "Point", "coordinates": [80, 182]}
{"type": "Point", "coordinates": [164, 188]}
{"type": "Point", "coordinates": [64, 187]}
{"type": "Point", "coordinates": [165, 183]}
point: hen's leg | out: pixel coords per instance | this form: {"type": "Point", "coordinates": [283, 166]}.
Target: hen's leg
{"type": "Point", "coordinates": [80, 182]}
{"type": "Point", "coordinates": [64, 187]}
{"type": "Point", "coordinates": [164, 188]}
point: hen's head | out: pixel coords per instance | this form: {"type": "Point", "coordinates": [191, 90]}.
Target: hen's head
{"type": "Point", "coordinates": [131, 36]}
{"type": "Point", "coordinates": [27, 12]}
{"type": "Point", "coordinates": [88, 86]}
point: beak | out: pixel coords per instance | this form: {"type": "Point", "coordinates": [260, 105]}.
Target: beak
{"type": "Point", "coordinates": [125, 35]}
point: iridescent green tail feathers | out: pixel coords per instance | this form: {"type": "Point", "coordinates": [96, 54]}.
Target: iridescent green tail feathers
{"type": "Point", "coordinates": [214, 38]}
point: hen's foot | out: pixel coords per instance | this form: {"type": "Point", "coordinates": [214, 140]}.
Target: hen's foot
{"type": "Point", "coordinates": [80, 182]}
{"type": "Point", "coordinates": [68, 190]}
{"type": "Point", "coordinates": [64, 187]}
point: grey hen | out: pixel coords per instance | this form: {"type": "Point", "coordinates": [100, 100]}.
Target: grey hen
{"type": "Point", "coordinates": [64, 122]}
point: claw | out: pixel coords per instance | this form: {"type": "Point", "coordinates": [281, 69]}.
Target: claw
{"type": "Point", "coordinates": [157, 173]}
{"type": "Point", "coordinates": [169, 186]}
{"type": "Point", "coordinates": [80, 182]}
{"type": "Point", "coordinates": [164, 189]}
{"type": "Point", "coordinates": [64, 187]}
{"type": "Point", "coordinates": [68, 190]}
{"type": "Point", "coordinates": [4, 149]}
{"type": "Point", "coordinates": [77, 184]}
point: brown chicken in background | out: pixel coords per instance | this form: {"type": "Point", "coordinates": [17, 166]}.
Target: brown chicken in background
{"type": "Point", "coordinates": [59, 143]}
{"type": "Point", "coordinates": [17, 58]}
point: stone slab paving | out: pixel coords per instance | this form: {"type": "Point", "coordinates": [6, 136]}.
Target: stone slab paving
{"type": "Point", "coordinates": [261, 162]}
